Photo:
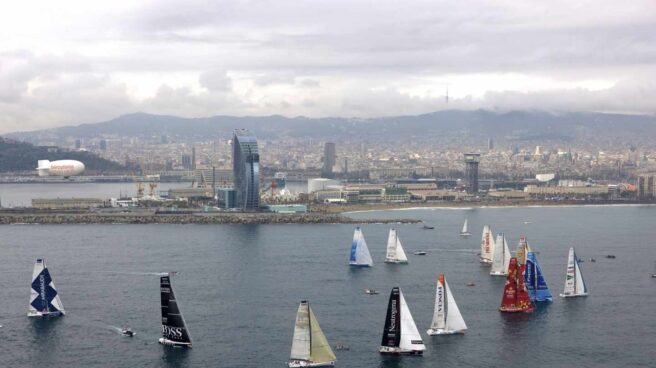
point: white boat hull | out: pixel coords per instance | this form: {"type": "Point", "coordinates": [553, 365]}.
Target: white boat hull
{"type": "Point", "coordinates": [465, 234]}
{"type": "Point", "coordinates": [305, 363]}
{"type": "Point", "coordinates": [46, 315]}
{"type": "Point", "coordinates": [441, 331]}
{"type": "Point", "coordinates": [486, 261]}
{"type": "Point", "coordinates": [164, 341]}
{"type": "Point", "coordinates": [572, 295]}
{"type": "Point", "coordinates": [395, 261]}
{"type": "Point", "coordinates": [399, 351]}
{"type": "Point", "coordinates": [498, 274]}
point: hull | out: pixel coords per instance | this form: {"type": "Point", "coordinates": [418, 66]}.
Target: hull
{"type": "Point", "coordinates": [305, 363]}
{"type": "Point", "coordinates": [572, 295]}
{"type": "Point", "coordinates": [465, 234]}
{"type": "Point", "coordinates": [498, 274]}
{"type": "Point", "coordinates": [485, 261]}
{"type": "Point", "coordinates": [398, 351]}
{"type": "Point", "coordinates": [441, 331]}
{"type": "Point", "coordinates": [168, 342]}
{"type": "Point", "coordinates": [514, 310]}
{"type": "Point", "coordinates": [355, 264]}
{"type": "Point", "coordinates": [45, 315]}
{"type": "Point", "coordinates": [395, 261]}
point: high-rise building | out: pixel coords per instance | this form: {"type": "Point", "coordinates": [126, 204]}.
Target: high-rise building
{"type": "Point", "coordinates": [164, 139]}
{"type": "Point", "coordinates": [103, 144]}
{"type": "Point", "coordinates": [329, 159]}
{"type": "Point", "coordinates": [78, 144]}
{"type": "Point", "coordinates": [645, 187]}
{"type": "Point", "coordinates": [490, 144]}
{"type": "Point", "coordinates": [471, 171]}
{"type": "Point", "coordinates": [246, 170]}
{"type": "Point", "coordinates": [186, 162]}
{"type": "Point", "coordinates": [193, 158]}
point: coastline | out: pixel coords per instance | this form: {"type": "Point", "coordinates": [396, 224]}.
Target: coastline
{"type": "Point", "coordinates": [61, 218]}
{"type": "Point", "coordinates": [359, 208]}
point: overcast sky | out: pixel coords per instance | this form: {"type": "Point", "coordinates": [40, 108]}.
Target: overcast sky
{"type": "Point", "coordinates": [70, 62]}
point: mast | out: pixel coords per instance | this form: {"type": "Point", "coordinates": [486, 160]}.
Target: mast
{"type": "Point", "coordinates": [174, 328]}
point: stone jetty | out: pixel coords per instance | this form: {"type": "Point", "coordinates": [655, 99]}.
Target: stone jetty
{"type": "Point", "coordinates": [186, 218]}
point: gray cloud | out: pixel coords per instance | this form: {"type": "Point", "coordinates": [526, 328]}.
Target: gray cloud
{"type": "Point", "coordinates": [318, 58]}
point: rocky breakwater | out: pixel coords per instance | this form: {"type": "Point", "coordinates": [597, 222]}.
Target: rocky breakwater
{"type": "Point", "coordinates": [195, 218]}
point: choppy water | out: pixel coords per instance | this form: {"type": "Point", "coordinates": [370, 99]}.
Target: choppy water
{"type": "Point", "coordinates": [239, 288]}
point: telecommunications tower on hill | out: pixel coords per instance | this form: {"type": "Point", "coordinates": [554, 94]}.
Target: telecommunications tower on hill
{"type": "Point", "coordinates": [471, 171]}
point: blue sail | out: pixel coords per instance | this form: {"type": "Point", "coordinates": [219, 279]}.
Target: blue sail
{"type": "Point", "coordinates": [359, 252]}
{"type": "Point", "coordinates": [535, 283]}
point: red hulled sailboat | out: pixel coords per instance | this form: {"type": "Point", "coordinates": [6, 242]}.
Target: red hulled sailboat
{"type": "Point", "coordinates": [515, 295]}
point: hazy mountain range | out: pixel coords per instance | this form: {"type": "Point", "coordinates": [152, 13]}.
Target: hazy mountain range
{"type": "Point", "coordinates": [514, 125]}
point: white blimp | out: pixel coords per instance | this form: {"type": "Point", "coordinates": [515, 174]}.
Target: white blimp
{"type": "Point", "coordinates": [63, 168]}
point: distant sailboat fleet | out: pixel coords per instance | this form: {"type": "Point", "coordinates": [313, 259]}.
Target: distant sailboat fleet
{"type": "Point", "coordinates": [524, 288]}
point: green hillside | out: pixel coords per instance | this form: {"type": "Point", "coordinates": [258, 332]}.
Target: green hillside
{"type": "Point", "coordinates": [20, 156]}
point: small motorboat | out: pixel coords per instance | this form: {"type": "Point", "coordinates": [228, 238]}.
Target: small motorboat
{"type": "Point", "coordinates": [420, 253]}
{"type": "Point", "coordinates": [370, 291]}
{"type": "Point", "coordinates": [470, 284]}
{"type": "Point", "coordinates": [341, 346]}
{"type": "Point", "coordinates": [593, 260]}
{"type": "Point", "coordinates": [610, 256]}
{"type": "Point", "coordinates": [428, 227]}
{"type": "Point", "coordinates": [127, 332]}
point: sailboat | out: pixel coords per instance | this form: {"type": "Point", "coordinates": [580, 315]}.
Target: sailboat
{"type": "Point", "coordinates": [400, 335]}
{"type": "Point", "coordinates": [464, 231]}
{"type": "Point", "coordinates": [446, 316]}
{"type": "Point", "coordinates": [501, 257]}
{"type": "Point", "coordinates": [395, 252]}
{"type": "Point", "coordinates": [522, 250]}
{"type": "Point", "coordinates": [574, 284]}
{"type": "Point", "coordinates": [487, 245]}
{"type": "Point", "coordinates": [536, 285]}
{"type": "Point", "coordinates": [44, 300]}
{"type": "Point", "coordinates": [310, 347]}
{"type": "Point", "coordinates": [360, 255]}
{"type": "Point", "coordinates": [174, 328]}
{"type": "Point", "coordinates": [515, 296]}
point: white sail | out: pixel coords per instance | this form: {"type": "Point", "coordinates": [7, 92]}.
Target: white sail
{"type": "Point", "coordinates": [574, 283]}
{"type": "Point", "coordinates": [301, 339]}
{"type": "Point", "coordinates": [454, 320]}
{"type": "Point", "coordinates": [410, 338]}
{"type": "Point", "coordinates": [395, 252]}
{"type": "Point", "coordinates": [360, 255]}
{"type": "Point", "coordinates": [501, 257]}
{"type": "Point", "coordinates": [464, 228]}
{"type": "Point", "coordinates": [44, 299]}
{"type": "Point", "coordinates": [439, 312]}
{"type": "Point", "coordinates": [400, 253]}
{"type": "Point", "coordinates": [487, 245]}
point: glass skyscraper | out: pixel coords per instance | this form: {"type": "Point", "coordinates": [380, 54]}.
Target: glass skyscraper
{"type": "Point", "coordinates": [246, 170]}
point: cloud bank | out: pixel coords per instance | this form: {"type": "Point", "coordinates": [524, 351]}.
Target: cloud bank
{"type": "Point", "coordinates": [73, 62]}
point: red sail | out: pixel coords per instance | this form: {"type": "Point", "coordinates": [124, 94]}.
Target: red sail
{"type": "Point", "coordinates": [515, 296]}
{"type": "Point", "coordinates": [523, 298]}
